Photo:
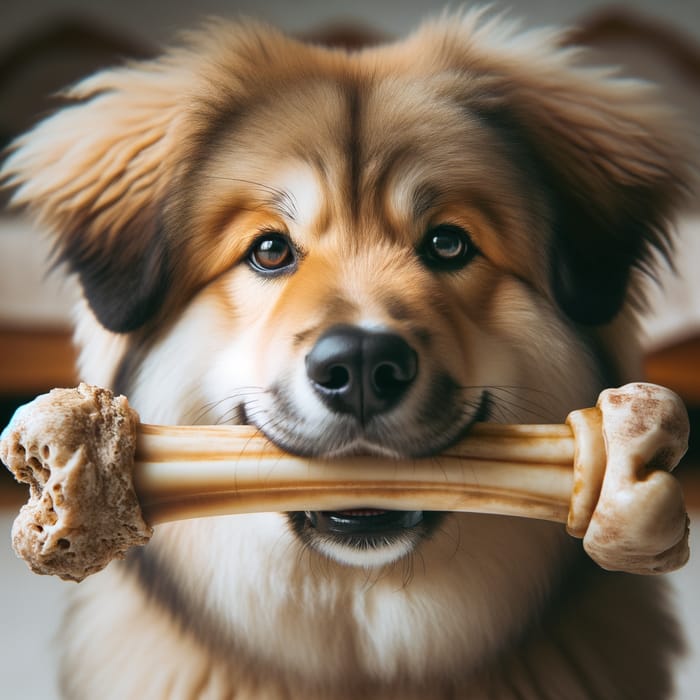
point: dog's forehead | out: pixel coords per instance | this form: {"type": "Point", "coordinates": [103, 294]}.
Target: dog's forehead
{"type": "Point", "coordinates": [390, 132]}
{"type": "Point", "coordinates": [384, 156]}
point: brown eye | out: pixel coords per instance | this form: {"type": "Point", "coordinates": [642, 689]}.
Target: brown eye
{"type": "Point", "coordinates": [272, 252]}
{"type": "Point", "coordinates": [447, 247]}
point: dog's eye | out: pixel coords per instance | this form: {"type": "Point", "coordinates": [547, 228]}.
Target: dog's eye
{"type": "Point", "coordinates": [271, 252]}
{"type": "Point", "coordinates": [447, 247]}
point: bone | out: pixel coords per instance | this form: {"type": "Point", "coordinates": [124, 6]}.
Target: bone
{"type": "Point", "coordinates": [639, 524]}
{"type": "Point", "coordinates": [185, 472]}
{"type": "Point", "coordinates": [551, 472]}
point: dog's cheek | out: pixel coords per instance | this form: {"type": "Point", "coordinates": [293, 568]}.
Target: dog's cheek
{"type": "Point", "coordinates": [533, 357]}
{"type": "Point", "coordinates": [230, 355]}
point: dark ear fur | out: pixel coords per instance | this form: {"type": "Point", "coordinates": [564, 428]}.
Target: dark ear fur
{"type": "Point", "coordinates": [606, 150]}
{"type": "Point", "coordinates": [124, 284]}
{"type": "Point", "coordinates": [591, 257]}
{"type": "Point", "coordinates": [603, 222]}
{"type": "Point", "coordinates": [95, 175]}
{"type": "Point", "coordinates": [614, 180]}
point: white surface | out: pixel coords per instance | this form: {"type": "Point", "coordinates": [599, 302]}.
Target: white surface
{"type": "Point", "coordinates": [687, 586]}
{"type": "Point", "coordinates": [30, 608]}
{"type": "Point", "coordinates": [675, 299]}
{"type": "Point", "coordinates": [29, 294]}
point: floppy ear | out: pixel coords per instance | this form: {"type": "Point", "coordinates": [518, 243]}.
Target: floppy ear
{"type": "Point", "coordinates": [604, 149]}
{"type": "Point", "coordinates": [96, 174]}
{"type": "Point", "coordinates": [604, 152]}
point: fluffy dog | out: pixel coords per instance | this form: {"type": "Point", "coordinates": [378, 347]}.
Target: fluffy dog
{"type": "Point", "coordinates": [359, 252]}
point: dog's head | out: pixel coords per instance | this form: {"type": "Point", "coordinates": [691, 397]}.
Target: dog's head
{"type": "Point", "coordinates": [356, 252]}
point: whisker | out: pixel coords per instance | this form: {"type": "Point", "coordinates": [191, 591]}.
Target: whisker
{"type": "Point", "coordinates": [520, 392]}
{"type": "Point", "coordinates": [408, 573]}
{"type": "Point", "coordinates": [513, 398]}
{"type": "Point", "coordinates": [241, 392]}
{"type": "Point", "coordinates": [282, 200]}
{"type": "Point", "coordinates": [509, 402]}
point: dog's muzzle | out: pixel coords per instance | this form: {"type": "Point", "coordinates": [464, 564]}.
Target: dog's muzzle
{"type": "Point", "coordinates": [362, 374]}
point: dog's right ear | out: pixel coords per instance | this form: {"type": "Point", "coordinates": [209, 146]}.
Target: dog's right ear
{"type": "Point", "coordinates": [95, 175]}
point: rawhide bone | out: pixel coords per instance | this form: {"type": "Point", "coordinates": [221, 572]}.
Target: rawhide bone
{"type": "Point", "coordinates": [99, 479]}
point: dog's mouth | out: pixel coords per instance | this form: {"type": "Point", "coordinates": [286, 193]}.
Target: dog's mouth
{"type": "Point", "coordinates": [364, 537]}
{"type": "Point", "coordinates": [363, 524]}
{"type": "Point", "coordinates": [368, 536]}
{"type": "Point", "coordinates": [443, 423]}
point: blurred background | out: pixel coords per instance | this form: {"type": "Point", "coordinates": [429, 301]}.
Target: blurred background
{"type": "Point", "coordinates": [46, 44]}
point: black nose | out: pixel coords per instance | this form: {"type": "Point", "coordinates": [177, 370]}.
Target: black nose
{"type": "Point", "coordinates": [361, 372]}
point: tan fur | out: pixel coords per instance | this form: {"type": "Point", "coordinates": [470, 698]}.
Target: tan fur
{"type": "Point", "coordinates": [156, 183]}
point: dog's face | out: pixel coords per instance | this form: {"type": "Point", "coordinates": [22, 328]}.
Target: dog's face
{"type": "Point", "coordinates": [363, 271]}
{"type": "Point", "coordinates": [358, 254]}
{"type": "Point", "coordinates": [366, 289]}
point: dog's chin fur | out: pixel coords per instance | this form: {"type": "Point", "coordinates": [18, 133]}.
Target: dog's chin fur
{"type": "Point", "coordinates": [158, 184]}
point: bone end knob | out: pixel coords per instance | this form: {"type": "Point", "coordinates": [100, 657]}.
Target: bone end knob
{"type": "Point", "coordinates": [637, 522]}
{"type": "Point", "coordinates": [75, 448]}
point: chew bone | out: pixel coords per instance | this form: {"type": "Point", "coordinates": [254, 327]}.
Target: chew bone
{"type": "Point", "coordinates": [191, 471]}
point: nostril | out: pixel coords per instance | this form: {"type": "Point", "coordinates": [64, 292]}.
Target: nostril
{"type": "Point", "coordinates": [393, 366]}
{"type": "Point", "coordinates": [335, 360]}
{"type": "Point", "coordinates": [334, 368]}
{"type": "Point", "coordinates": [338, 377]}
{"type": "Point", "coordinates": [388, 378]}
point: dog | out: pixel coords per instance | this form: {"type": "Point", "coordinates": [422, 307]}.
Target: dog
{"type": "Point", "coordinates": [360, 253]}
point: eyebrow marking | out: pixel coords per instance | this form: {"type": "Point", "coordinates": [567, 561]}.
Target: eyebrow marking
{"type": "Point", "coordinates": [305, 199]}
{"type": "Point", "coordinates": [285, 204]}
{"type": "Point", "coordinates": [424, 198]}
{"type": "Point", "coordinates": [281, 201]}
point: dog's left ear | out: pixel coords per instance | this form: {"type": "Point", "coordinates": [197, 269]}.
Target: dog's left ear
{"type": "Point", "coordinates": [605, 152]}
{"type": "Point", "coordinates": [605, 149]}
